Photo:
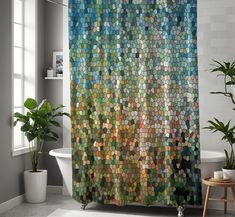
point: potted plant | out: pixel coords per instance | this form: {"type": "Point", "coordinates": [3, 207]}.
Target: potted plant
{"type": "Point", "coordinates": [227, 71]}
{"type": "Point", "coordinates": [37, 125]}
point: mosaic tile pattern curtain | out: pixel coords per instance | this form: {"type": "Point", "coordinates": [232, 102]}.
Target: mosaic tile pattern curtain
{"type": "Point", "coordinates": [134, 101]}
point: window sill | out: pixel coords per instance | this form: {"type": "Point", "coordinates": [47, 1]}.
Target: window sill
{"type": "Point", "coordinates": [20, 151]}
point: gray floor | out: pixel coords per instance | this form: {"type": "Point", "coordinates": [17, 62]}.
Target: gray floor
{"type": "Point", "coordinates": [57, 201]}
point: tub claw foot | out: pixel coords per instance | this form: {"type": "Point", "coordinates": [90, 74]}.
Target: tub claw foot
{"type": "Point", "coordinates": [180, 210]}
{"type": "Point", "coordinates": [83, 206]}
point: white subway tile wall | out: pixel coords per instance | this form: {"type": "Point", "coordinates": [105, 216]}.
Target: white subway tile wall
{"type": "Point", "coordinates": [216, 40]}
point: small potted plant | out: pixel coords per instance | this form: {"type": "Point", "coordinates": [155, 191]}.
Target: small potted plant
{"type": "Point", "coordinates": [37, 125]}
{"type": "Point", "coordinates": [227, 71]}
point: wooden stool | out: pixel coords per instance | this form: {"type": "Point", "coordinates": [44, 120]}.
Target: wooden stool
{"type": "Point", "coordinates": [210, 183]}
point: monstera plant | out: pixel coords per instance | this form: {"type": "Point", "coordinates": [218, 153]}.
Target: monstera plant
{"type": "Point", "coordinates": [37, 124]}
{"type": "Point", "coordinates": [226, 70]}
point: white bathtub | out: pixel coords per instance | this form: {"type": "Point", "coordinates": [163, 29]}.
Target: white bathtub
{"type": "Point", "coordinates": [64, 159]}
{"type": "Point", "coordinates": [210, 161]}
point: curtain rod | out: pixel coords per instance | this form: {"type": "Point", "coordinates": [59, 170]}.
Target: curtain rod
{"type": "Point", "coordinates": [57, 3]}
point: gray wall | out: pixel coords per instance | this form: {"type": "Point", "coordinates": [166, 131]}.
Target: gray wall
{"type": "Point", "coordinates": [11, 168]}
{"type": "Point", "coordinates": [41, 49]}
{"type": "Point", "coordinates": [53, 41]}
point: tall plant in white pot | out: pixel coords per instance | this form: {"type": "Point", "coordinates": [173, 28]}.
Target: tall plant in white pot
{"type": "Point", "coordinates": [227, 71]}
{"type": "Point", "coordinates": [37, 125]}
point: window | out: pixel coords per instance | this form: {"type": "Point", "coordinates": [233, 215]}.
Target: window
{"type": "Point", "coordinates": [23, 63]}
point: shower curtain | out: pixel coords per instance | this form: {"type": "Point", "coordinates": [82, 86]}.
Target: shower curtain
{"type": "Point", "coordinates": [134, 101]}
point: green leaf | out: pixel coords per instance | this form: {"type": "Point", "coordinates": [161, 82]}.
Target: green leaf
{"type": "Point", "coordinates": [46, 106]}
{"type": "Point", "coordinates": [230, 83]}
{"type": "Point", "coordinates": [227, 156]}
{"type": "Point", "coordinates": [227, 64]}
{"type": "Point", "coordinates": [60, 114]}
{"type": "Point", "coordinates": [30, 104]}
{"type": "Point", "coordinates": [218, 126]}
{"type": "Point", "coordinates": [30, 136]}
{"type": "Point", "coordinates": [40, 105]}
{"type": "Point", "coordinates": [50, 138]}
{"type": "Point", "coordinates": [42, 122]}
{"type": "Point", "coordinates": [55, 135]}
{"type": "Point", "coordinates": [15, 122]}
{"type": "Point", "coordinates": [66, 114]}
{"type": "Point", "coordinates": [60, 106]}
{"type": "Point", "coordinates": [25, 127]}
{"type": "Point", "coordinates": [218, 92]}
{"type": "Point", "coordinates": [19, 115]}
{"type": "Point", "coordinates": [218, 63]}
{"type": "Point", "coordinates": [55, 123]}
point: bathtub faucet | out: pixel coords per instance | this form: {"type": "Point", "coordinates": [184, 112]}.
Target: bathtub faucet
{"type": "Point", "coordinates": [83, 206]}
{"type": "Point", "coordinates": [180, 210]}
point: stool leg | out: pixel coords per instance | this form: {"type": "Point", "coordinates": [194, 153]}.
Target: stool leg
{"type": "Point", "coordinates": [225, 202]}
{"type": "Point", "coordinates": [206, 200]}
{"type": "Point", "coordinates": [233, 191]}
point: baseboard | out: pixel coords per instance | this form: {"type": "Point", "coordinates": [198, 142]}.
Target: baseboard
{"type": "Point", "coordinates": [54, 189]}
{"type": "Point", "coordinates": [11, 203]}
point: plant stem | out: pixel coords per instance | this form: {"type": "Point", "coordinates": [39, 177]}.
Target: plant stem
{"type": "Point", "coordinates": [35, 161]}
{"type": "Point", "coordinates": [225, 86]}
{"type": "Point", "coordinates": [35, 155]}
{"type": "Point", "coordinates": [228, 94]}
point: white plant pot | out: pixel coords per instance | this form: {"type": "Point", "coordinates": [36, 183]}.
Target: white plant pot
{"type": "Point", "coordinates": [229, 174]}
{"type": "Point", "coordinates": [35, 184]}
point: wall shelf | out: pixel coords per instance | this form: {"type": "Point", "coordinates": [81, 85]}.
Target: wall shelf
{"type": "Point", "coordinates": [54, 78]}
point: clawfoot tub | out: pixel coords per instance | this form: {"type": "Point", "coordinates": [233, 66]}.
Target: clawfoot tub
{"type": "Point", "coordinates": [210, 162]}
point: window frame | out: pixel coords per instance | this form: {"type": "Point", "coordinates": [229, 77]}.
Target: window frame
{"type": "Point", "coordinates": [24, 148]}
